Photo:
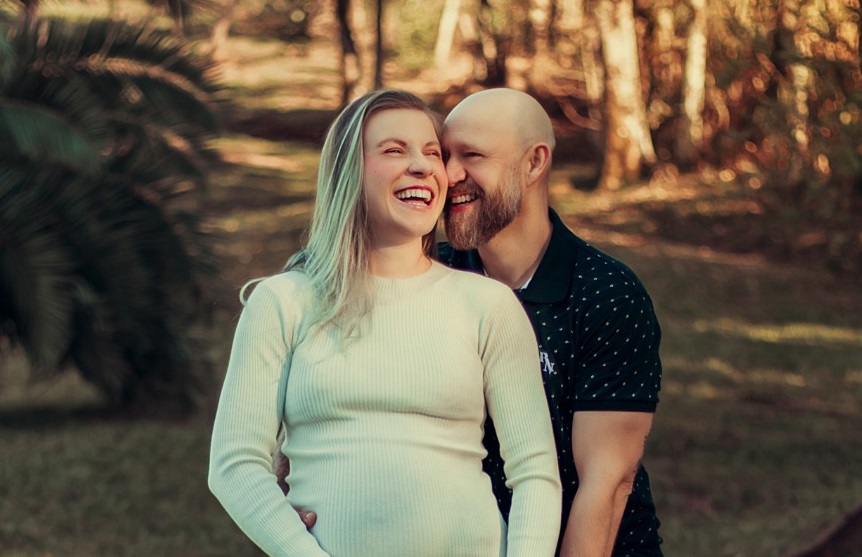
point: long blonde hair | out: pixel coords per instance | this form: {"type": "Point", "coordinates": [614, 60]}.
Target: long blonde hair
{"type": "Point", "coordinates": [335, 256]}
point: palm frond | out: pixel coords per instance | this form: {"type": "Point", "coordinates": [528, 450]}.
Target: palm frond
{"type": "Point", "coordinates": [37, 270]}
{"type": "Point", "coordinates": [29, 130]}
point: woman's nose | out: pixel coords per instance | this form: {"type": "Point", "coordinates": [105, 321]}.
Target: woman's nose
{"type": "Point", "coordinates": [419, 166]}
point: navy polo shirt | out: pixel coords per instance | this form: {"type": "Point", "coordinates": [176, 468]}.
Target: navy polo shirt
{"type": "Point", "coordinates": [598, 342]}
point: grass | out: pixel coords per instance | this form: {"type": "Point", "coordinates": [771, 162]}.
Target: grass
{"type": "Point", "coordinates": [756, 446]}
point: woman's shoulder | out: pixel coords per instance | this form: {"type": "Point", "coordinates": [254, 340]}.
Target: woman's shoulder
{"type": "Point", "coordinates": [476, 284]}
{"type": "Point", "coordinates": [285, 287]}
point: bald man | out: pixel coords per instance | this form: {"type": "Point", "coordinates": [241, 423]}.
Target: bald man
{"type": "Point", "coordinates": [594, 321]}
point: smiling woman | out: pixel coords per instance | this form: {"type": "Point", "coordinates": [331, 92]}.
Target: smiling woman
{"type": "Point", "coordinates": [383, 413]}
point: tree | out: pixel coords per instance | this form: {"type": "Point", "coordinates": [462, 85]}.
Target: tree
{"type": "Point", "coordinates": [690, 141]}
{"type": "Point", "coordinates": [540, 24]}
{"type": "Point", "coordinates": [378, 46]}
{"type": "Point", "coordinates": [446, 32]}
{"type": "Point", "coordinates": [627, 138]}
{"type": "Point", "coordinates": [350, 67]}
{"type": "Point", "coordinates": [105, 129]}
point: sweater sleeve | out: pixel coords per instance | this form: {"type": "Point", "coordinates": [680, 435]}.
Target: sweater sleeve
{"type": "Point", "coordinates": [516, 402]}
{"type": "Point", "coordinates": [247, 420]}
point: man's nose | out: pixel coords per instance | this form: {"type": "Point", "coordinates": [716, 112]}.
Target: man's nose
{"type": "Point", "coordinates": [455, 171]}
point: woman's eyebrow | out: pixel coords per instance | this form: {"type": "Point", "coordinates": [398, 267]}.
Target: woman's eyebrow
{"type": "Point", "coordinates": [391, 140]}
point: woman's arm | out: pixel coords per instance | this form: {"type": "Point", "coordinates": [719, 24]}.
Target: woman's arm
{"type": "Point", "coordinates": [246, 425]}
{"type": "Point", "coordinates": [516, 402]}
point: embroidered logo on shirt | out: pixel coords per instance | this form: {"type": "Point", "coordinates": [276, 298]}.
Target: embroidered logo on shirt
{"type": "Point", "coordinates": [547, 365]}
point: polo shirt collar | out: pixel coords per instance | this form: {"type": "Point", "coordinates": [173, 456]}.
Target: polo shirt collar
{"type": "Point", "coordinates": [550, 282]}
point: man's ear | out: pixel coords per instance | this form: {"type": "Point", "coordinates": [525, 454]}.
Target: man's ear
{"type": "Point", "coordinates": [539, 161]}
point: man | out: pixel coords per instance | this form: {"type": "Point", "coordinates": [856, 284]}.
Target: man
{"type": "Point", "coordinates": [596, 328]}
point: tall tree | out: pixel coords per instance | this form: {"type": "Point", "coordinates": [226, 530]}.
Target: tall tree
{"type": "Point", "coordinates": [350, 67]}
{"type": "Point", "coordinates": [628, 143]}
{"type": "Point", "coordinates": [540, 15]}
{"type": "Point", "coordinates": [379, 51]}
{"type": "Point", "coordinates": [493, 45]}
{"type": "Point", "coordinates": [446, 32]}
{"type": "Point", "coordinates": [690, 141]}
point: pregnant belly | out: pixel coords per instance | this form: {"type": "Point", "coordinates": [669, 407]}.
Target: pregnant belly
{"type": "Point", "coordinates": [401, 503]}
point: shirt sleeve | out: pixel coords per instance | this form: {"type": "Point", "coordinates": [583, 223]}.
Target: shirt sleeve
{"type": "Point", "coordinates": [247, 420]}
{"type": "Point", "coordinates": [516, 402]}
{"type": "Point", "coordinates": [618, 361]}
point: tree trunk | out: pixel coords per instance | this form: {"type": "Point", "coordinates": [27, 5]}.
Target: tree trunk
{"type": "Point", "coordinates": [221, 30]}
{"type": "Point", "coordinates": [493, 48]}
{"type": "Point", "coordinates": [627, 138]}
{"type": "Point", "coordinates": [690, 142]}
{"type": "Point", "coordinates": [378, 47]}
{"type": "Point", "coordinates": [594, 72]}
{"type": "Point", "coordinates": [540, 22]}
{"type": "Point", "coordinates": [446, 32]}
{"type": "Point", "coordinates": [793, 90]}
{"type": "Point", "coordinates": [351, 70]}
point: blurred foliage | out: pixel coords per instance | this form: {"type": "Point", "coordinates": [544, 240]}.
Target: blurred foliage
{"type": "Point", "coordinates": [410, 40]}
{"type": "Point", "coordinates": [103, 261]}
{"type": "Point", "coordinates": [785, 105]}
{"type": "Point", "coordinates": [287, 20]}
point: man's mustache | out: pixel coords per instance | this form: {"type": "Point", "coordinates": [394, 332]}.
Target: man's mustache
{"type": "Point", "coordinates": [465, 188]}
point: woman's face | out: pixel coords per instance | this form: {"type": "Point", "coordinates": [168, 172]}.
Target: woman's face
{"type": "Point", "coordinates": [405, 178]}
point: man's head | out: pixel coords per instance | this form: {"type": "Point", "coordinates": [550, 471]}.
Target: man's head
{"type": "Point", "coordinates": [499, 144]}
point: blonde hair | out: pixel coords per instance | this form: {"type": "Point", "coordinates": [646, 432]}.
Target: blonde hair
{"type": "Point", "coordinates": [335, 256]}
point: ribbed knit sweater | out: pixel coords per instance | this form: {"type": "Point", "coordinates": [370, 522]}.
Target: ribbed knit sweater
{"type": "Point", "coordinates": [384, 431]}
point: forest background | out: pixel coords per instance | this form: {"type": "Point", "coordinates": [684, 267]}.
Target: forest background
{"type": "Point", "coordinates": [156, 155]}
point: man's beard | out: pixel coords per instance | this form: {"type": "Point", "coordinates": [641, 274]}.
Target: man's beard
{"type": "Point", "coordinates": [497, 210]}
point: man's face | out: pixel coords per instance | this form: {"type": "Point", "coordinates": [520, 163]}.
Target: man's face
{"type": "Point", "coordinates": [484, 182]}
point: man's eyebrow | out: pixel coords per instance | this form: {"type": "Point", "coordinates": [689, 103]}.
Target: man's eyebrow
{"type": "Point", "coordinates": [464, 146]}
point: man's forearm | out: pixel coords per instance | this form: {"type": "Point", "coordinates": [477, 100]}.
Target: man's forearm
{"type": "Point", "coordinates": [594, 522]}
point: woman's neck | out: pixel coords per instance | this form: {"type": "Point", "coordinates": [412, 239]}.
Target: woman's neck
{"type": "Point", "coordinates": [398, 261]}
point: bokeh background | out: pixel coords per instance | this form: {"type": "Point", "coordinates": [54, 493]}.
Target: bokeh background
{"type": "Point", "coordinates": [156, 155]}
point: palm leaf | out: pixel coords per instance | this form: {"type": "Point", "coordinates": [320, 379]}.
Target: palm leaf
{"type": "Point", "coordinates": [29, 130]}
{"type": "Point", "coordinates": [36, 270]}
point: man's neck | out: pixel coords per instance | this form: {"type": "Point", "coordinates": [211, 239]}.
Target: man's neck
{"type": "Point", "coordinates": [514, 254]}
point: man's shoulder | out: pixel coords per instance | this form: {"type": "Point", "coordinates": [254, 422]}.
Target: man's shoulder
{"type": "Point", "coordinates": [593, 264]}
{"type": "Point", "coordinates": [458, 259]}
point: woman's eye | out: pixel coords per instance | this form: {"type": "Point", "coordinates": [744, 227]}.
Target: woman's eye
{"type": "Point", "coordinates": [436, 154]}
{"type": "Point", "coordinates": [395, 150]}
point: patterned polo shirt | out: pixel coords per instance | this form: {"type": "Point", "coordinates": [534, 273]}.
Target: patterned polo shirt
{"type": "Point", "coordinates": [599, 349]}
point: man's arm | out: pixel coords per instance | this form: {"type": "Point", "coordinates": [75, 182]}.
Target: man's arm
{"type": "Point", "coordinates": [608, 447]}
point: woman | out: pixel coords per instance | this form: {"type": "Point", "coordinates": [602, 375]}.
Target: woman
{"type": "Point", "coordinates": [381, 364]}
